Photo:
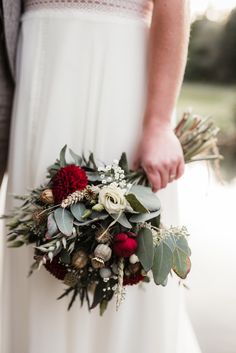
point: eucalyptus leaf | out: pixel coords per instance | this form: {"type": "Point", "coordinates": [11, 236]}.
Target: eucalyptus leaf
{"type": "Point", "coordinates": [146, 197]}
{"type": "Point", "coordinates": [144, 217]}
{"type": "Point", "coordinates": [122, 219]}
{"type": "Point", "coordinates": [78, 210]}
{"type": "Point", "coordinates": [93, 176]}
{"type": "Point", "coordinates": [51, 225]}
{"type": "Point", "coordinates": [170, 242]}
{"type": "Point", "coordinates": [62, 156]}
{"type": "Point", "coordinates": [181, 263]}
{"type": "Point", "coordinates": [182, 244]}
{"type": "Point", "coordinates": [64, 220]}
{"type": "Point", "coordinates": [145, 250]}
{"type": "Point", "coordinates": [76, 157]}
{"type": "Point", "coordinates": [162, 263]}
{"type": "Point", "coordinates": [99, 215]}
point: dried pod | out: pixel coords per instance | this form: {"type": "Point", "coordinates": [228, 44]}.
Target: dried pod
{"type": "Point", "coordinates": [97, 263]}
{"type": "Point", "coordinates": [39, 216]}
{"type": "Point", "coordinates": [105, 272]}
{"type": "Point", "coordinates": [80, 259]}
{"type": "Point", "coordinates": [103, 237]}
{"type": "Point", "coordinates": [46, 196]}
{"type": "Point", "coordinates": [70, 279]}
{"type": "Point", "coordinates": [102, 253]}
{"type": "Point", "coordinates": [134, 268]}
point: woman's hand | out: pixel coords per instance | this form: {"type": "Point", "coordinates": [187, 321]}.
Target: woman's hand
{"type": "Point", "coordinates": [160, 154]}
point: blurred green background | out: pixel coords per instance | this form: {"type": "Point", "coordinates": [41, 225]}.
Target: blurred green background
{"type": "Point", "coordinates": [210, 80]}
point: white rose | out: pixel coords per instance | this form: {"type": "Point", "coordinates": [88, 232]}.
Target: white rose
{"type": "Point", "coordinates": [112, 198]}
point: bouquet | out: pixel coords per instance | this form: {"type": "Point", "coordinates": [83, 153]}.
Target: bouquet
{"type": "Point", "coordinates": [98, 228]}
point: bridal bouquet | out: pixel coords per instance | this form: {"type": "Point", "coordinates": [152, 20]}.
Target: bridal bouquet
{"type": "Point", "coordinates": [98, 228]}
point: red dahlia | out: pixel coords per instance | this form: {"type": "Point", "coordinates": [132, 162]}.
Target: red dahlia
{"type": "Point", "coordinates": [133, 279]}
{"type": "Point", "coordinates": [67, 180]}
{"type": "Point", "coordinates": [124, 245]}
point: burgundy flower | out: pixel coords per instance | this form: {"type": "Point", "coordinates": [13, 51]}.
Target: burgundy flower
{"type": "Point", "coordinates": [67, 180]}
{"type": "Point", "coordinates": [56, 269]}
{"type": "Point", "coordinates": [124, 245]}
{"type": "Point", "coordinates": [133, 279]}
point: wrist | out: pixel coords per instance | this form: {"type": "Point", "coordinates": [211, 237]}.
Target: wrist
{"type": "Point", "coordinates": [155, 124]}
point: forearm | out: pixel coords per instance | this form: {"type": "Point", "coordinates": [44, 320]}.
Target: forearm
{"type": "Point", "coordinates": [167, 54]}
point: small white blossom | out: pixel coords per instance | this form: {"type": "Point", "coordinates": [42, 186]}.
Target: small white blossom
{"type": "Point", "coordinates": [109, 179]}
{"type": "Point", "coordinates": [122, 176]}
{"type": "Point", "coordinates": [114, 184]}
{"type": "Point", "coordinates": [122, 183]}
{"type": "Point", "coordinates": [102, 176]}
{"type": "Point", "coordinates": [108, 167]}
{"type": "Point", "coordinates": [104, 181]}
{"type": "Point", "coordinates": [117, 176]}
{"type": "Point", "coordinates": [115, 161]}
{"type": "Point", "coordinates": [100, 169]}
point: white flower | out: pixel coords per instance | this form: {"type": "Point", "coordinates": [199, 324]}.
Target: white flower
{"type": "Point", "coordinates": [104, 181]}
{"type": "Point", "coordinates": [115, 161]}
{"type": "Point", "coordinates": [108, 167]}
{"type": "Point", "coordinates": [112, 198]}
{"type": "Point", "coordinates": [109, 179]}
{"type": "Point", "coordinates": [102, 176]}
{"type": "Point", "coordinates": [117, 176]}
{"type": "Point", "coordinates": [100, 169]}
{"type": "Point", "coordinates": [122, 183]}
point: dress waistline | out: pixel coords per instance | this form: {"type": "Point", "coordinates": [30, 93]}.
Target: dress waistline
{"type": "Point", "coordinates": [133, 8]}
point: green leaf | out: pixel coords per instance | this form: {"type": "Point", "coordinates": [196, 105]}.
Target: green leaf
{"type": "Point", "coordinates": [62, 156]}
{"type": "Point", "coordinates": [93, 176]}
{"type": "Point", "coordinates": [16, 244]}
{"type": "Point", "coordinates": [78, 210]}
{"type": "Point", "coordinates": [92, 161]}
{"type": "Point", "coordinates": [135, 203]}
{"type": "Point", "coordinates": [162, 263]}
{"type": "Point", "coordinates": [76, 157]}
{"type": "Point", "coordinates": [51, 225]}
{"type": "Point", "coordinates": [181, 263]}
{"type": "Point", "coordinates": [64, 220]}
{"type": "Point", "coordinates": [144, 217]}
{"type": "Point", "coordinates": [170, 242]}
{"type": "Point", "coordinates": [123, 162]}
{"type": "Point", "coordinates": [98, 294]}
{"type": "Point", "coordinates": [122, 220]}
{"type": "Point", "coordinates": [145, 250]}
{"type": "Point", "coordinates": [65, 257]}
{"type": "Point", "coordinates": [182, 244]}
{"type": "Point", "coordinates": [103, 307]}
{"type": "Point", "coordinates": [146, 197]}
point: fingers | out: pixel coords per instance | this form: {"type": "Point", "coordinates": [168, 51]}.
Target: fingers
{"type": "Point", "coordinates": [159, 176]}
{"type": "Point", "coordinates": [180, 169]}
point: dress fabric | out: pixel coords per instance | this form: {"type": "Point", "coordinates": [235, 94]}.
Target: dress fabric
{"type": "Point", "coordinates": [81, 81]}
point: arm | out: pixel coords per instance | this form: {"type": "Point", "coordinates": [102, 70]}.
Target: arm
{"type": "Point", "coordinates": [159, 151]}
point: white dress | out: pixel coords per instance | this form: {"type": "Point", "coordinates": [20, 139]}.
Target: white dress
{"type": "Point", "coordinates": [81, 81]}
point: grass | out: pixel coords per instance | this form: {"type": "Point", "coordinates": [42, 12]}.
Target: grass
{"type": "Point", "coordinates": [210, 100]}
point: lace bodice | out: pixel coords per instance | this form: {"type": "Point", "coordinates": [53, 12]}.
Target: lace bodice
{"type": "Point", "coordinates": [133, 8]}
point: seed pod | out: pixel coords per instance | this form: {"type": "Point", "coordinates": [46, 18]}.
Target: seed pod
{"type": "Point", "coordinates": [70, 279]}
{"type": "Point", "coordinates": [46, 196]}
{"type": "Point", "coordinates": [105, 272]}
{"type": "Point", "coordinates": [102, 253]}
{"type": "Point", "coordinates": [80, 259]}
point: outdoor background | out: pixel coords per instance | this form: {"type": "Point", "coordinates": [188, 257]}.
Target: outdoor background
{"type": "Point", "coordinates": [208, 207]}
